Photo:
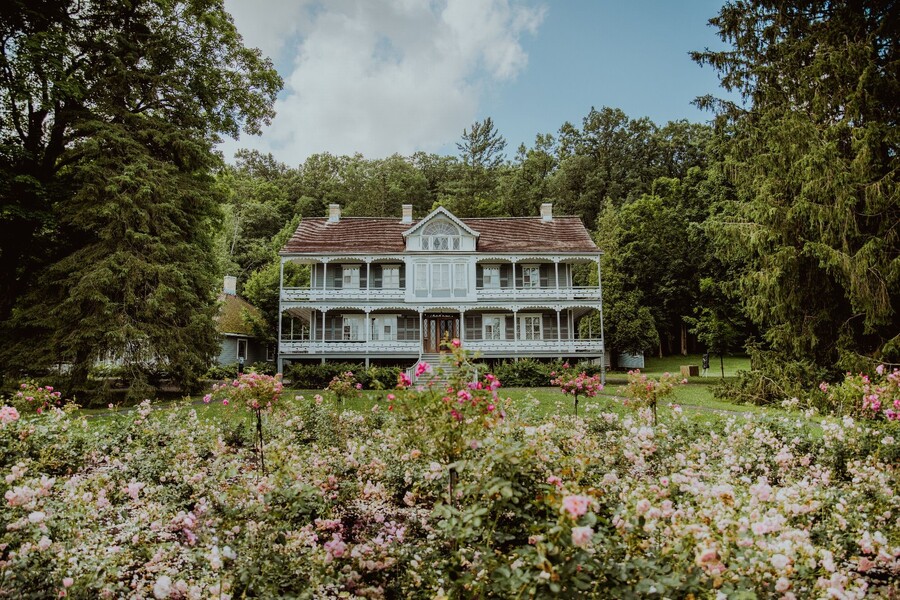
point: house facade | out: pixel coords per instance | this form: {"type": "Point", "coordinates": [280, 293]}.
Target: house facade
{"type": "Point", "coordinates": [391, 289]}
{"type": "Point", "coordinates": [239, 342]}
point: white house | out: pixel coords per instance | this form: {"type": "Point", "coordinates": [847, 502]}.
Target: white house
{"type": "Point", "coordinates": [391, 289]}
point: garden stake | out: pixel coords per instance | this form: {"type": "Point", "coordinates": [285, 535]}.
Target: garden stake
{"type": "Point", "coordinates": [259, 439]}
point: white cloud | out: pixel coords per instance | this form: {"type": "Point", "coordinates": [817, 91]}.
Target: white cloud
{"type": "Point", "coordinates": [379, 76]}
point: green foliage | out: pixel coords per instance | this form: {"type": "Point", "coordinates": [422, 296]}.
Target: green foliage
{"type": "Point", "coordinates": [525, 372]}
{"type": "Point", "coordinates": [318, 376]}
{"type": "Point", "coordinates": [771, 380]}
{"type": "Point", "coordinates": [813, 158]}
{"type": "Point", "coordinates": [107, 207]}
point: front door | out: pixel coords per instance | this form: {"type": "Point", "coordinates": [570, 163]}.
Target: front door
{"type": "Point", "coordinates": [438, 330]}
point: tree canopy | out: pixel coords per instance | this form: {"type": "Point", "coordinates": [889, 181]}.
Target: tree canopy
{"type": "Point", "coordinates": [812, 153]}
{"type": "Point", "coordinates": [109, 114]}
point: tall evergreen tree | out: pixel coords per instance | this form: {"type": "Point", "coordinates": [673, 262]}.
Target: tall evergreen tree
{"type": "Point", "coordinates": [109, 113]}
{"type": "Point", "coordinates": [813, 153]}
{"type": "Point", "coordinates": [481, 152]}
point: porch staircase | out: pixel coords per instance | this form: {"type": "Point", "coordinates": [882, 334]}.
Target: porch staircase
{"type": "Point", "coordinates": [440, 374]}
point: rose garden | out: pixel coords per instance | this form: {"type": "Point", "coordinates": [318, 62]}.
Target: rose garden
{"type": "Point", "coordinates": [452, 491]}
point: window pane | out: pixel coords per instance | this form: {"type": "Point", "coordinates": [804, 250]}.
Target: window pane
{"type": "Point", "coordinates": [422, 278]}
{"type": "Point", "coordinates": [459, 277]}
{"type": "Point", "coordinates": [440, 276]}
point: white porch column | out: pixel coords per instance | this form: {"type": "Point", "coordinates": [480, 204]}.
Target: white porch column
{"type": "Point", "coordinates": [421, 332]}
{"type": "Point", "coordinates": [516, 332]}
{"type": "Point", "coordinates": [602, 337]}
{"type": "Point", "coordinates": [556, 267]}
{"type": "Point", "coordinates": [368, 278]}
{"type": "Point", "coordinates": [368, 326]}
{"type": "Point", "coordinates": [462, 326]}
{"type": "Point", "coordinates": [324, 277]}
{"type": "Point", "coordinates": [515, 290]}
{"type": "Point", "coordinates": [280, 361]}
{"type": "Point", "coordinates": [324, 310]}
{"type": "Point", "coordinates": [558, 331]}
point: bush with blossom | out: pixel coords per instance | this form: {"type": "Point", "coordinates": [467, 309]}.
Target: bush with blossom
{"type": "Point", "coordinates": [355, 503]}
{"type": "Point", "coordinates": [873, 396]}
{"type": "Point", "coordinates": [576, 383]}
{"type": "Point", "coordinates": [646, 392]}
{"type": "Point", "coordinates": [32, 397]}
{"type": "Point", "coordinates": [344, 387]}
{"type": "Point", "coordinates": [255, 391]}
{"type": "Point", "coordinates": [446, 420]}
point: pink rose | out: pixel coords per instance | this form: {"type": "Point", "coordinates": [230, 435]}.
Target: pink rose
{"type": "Point", "coordinates": [581, 536]}
{"type": "Point", "coordinates": [576, 505]}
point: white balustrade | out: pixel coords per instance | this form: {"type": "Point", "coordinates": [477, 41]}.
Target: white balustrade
{"type": "Point", "coordinates": [320, 295]}
{"type": "Point", "coordinates": [373, 347]}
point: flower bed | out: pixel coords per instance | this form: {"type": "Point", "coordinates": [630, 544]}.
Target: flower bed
{"type": "Point", "coordinates": [166, 504]}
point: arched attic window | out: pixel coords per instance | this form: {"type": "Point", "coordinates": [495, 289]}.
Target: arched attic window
{"type": "Point", "coordinates": [440, 236]}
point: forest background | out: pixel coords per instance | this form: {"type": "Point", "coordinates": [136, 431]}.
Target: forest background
{"type": "Point", "coordinates": [773, 229]}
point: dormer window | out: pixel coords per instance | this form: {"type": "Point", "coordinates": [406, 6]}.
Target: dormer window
{"type": "Point", "coordinates": [440, 236]}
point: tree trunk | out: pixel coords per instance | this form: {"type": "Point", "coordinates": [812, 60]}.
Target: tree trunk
{"type": "Point", "coordinates": [684, 348]}
{"type": "Point", "coordinates": [722, 364]}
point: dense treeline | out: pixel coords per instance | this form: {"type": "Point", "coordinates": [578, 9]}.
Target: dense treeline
{"type": "Point", "coordinates": [645, 189]}
{"type": "Point", "coordinates": [775, 227]}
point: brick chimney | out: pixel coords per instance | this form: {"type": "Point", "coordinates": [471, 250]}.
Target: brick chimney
{"type": "Point", "coordinates": [407, 214]}
{"type": "Point", "coordinates": [230, 286]}
{"type": "Point", "coordinates": [547, 211]}
{"type": "Point", "coordinates": [334, 213]}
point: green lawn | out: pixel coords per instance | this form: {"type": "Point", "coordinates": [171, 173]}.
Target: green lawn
{"type": "Point", "coordinates": [655, 366]}
{"type": "Point", "coordinates": [695, 398]}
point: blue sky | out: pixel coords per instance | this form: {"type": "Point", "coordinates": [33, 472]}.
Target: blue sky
{"type": "Point", "coordinates": [386, 76]}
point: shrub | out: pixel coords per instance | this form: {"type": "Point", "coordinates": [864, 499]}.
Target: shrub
{"type": "Point", "coordinates": [344, 387]}
{"type": "Point", "coordinates": [643, 391]}
{"type": "Point", "coordinates": [317, 377]}
{"type": "Point", "coordinates": [575, 383]}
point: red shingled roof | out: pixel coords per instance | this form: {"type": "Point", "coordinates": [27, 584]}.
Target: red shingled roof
{"type": "Point", "coordinates": [503, 234]}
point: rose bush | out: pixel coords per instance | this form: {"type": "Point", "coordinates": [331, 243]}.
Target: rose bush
{"type": "Point", "coordinates": [171, 503]}
{"type": "Point", "coordinates": [646, 392]}
{"type": "Point", "coordinates": [576, 383]}
{"type": "Point", "coordinates": [344, 386]}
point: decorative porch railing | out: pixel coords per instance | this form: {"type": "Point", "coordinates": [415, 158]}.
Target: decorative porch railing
{"type": "Point", "coordinates": [522, 293]}
{"type": "Point", "coordinates": [508, 347]}
{"type": "Point", "coordinates": [526, 293]}
{"type": "Point", "coordinates": [373, 347]}
{"type": "Point", "coordinates": [537, 346]}
{"type": "Point", "coordinates": [318, 294]}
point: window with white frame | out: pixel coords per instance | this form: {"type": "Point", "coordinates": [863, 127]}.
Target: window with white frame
{"type": "Point", "coordinates": [440, 236]}
{"type": "Point", "coordinates": [241, 349]}
{"type": "Point", "coordinates": [351, 277]}
{"type": "Point", "coordinates": [352, 329]}
{"type": "Point", "coordinates": [422, 277]}
{"type": "Point", "coordinates": [390, 277]}
{"type": "Point", "coordinates": [384, 328]}
{"type": "Point", "coordinates": [531, 276]}
{"type": "Point", "coordinates": [530, 327]}
{"type": "Point", "coordinates": [491, 277]}
{"type": "Point", "coordinates": [460, 277]}
{"type": "Point", "coordinates": [440, 276]}
{"type": "Point", "coordinates": [494, 327]}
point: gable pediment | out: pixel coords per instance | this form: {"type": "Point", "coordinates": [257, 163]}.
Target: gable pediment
{"type": "Point", "coordinates": [437, 215]}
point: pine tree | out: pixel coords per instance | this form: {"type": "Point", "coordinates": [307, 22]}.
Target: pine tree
{"type": "Point", "coordinates": [110, 113]}
{"type": "Point", "coordinates": [812, 152]}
